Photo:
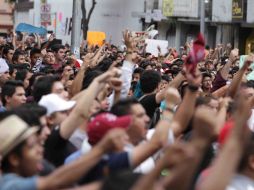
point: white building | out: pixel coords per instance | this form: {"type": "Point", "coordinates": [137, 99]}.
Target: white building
{"type": "Point", "coordinates": [109, 16]}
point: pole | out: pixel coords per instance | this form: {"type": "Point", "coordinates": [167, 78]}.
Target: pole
{"type": "Point", "coordinates": [76, 28]}
{"type": "Point", "coordinates": [202, 16]}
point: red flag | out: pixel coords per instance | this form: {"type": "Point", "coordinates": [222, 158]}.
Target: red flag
{"type": "Point", "coordinates": [197, 54]}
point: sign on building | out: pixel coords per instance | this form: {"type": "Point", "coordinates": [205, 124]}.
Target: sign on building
{"type": "Point", "coordinates": [45, 14]}
{"type": "Point", "coordinates": [222, 11]}
{"type": "Point", "coordinates": [237, 9]}
{"type": "Point", "coordinates": [181, 8]}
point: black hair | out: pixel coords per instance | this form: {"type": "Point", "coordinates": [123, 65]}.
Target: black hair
{"type": "Point", "coordinates": [89, 77]}
{"type": "Point", "coordinates": [104, 65]}
{"type": "Point", "coordinates": [6, 50]}
{"type": "Point", "coordinates": [166, 78]}
{"type": "Point", "coordinates": [149, 81]}
{"type": "Point", "coordinates": [9, 88]}
{"type": "Point", "coordinates": [21, 74]}
{"type": "Point", "coordinates": [250, 84]}
{"type": "Point", "coordinates": [30, 113]}
{"type": "Point", "coordinates": [145, 64]}
{"type": "Point", "coordinates": [34, 51]}
{"type": "Point", "coordinates": [123, 106]}
{"type": "Point", "coordinates": [16, 55]}
{"type": "Point", "coordinates": [43, 86]}
{"type": "Point", "coordinates": [55, 48]}
{"type": "Point", "coordinates": [207, 75]}
{"type": "Point", "coordinates": [138, 70]}
{"type": "Point", "coordinates": [204, 100]}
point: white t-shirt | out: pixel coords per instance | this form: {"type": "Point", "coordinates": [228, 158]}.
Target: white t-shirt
{"type": "Point", "coordinates": [251, 121]}
{"type": "Point", "coordinates": [241, 182]}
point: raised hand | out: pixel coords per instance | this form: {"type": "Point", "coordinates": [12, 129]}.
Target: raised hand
{"type": "Point", "coordinates": [234, 55]}
{"type": "Point", "coordinates": [129, 40]}
{"type": "Point", "coordinates": [194, 80]}
{"type": "Point", "coordinates": [114, 140]}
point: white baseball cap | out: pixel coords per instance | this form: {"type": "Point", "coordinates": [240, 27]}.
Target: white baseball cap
{"type": "Point", "coordinates": [3, 66]}
{"type": "Point", "coordinates": [55, 103]}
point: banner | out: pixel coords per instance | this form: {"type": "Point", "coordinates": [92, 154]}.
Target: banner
{"type": "Point", "coordinates": [181, 8]}
{"type": "Point", "coordinates": [30, 29]}
{"type": "Point", "coordinates": [237, 9]}
{"type": "Point", "coordinates": [152, 46]}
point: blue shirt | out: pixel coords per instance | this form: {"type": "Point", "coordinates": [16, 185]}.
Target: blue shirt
{"type": "Point", "coordinates": [108, 164]}
{"type": "Point", "coordinates": [14, 182]}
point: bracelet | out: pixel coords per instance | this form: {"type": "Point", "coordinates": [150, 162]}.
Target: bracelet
{"type": "Point", "coordinates": [166, 119]}
{"type": "Point", "coordinates": [193, 88]}
{"type": "Point", "coordinates": [129, 52]}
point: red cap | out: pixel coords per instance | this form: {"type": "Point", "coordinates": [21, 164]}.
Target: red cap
{"type": "Point", "coordinates": [102, 123]}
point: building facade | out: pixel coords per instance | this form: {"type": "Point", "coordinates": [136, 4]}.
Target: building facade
{"type": "Point", "coordinates": [6, 16]}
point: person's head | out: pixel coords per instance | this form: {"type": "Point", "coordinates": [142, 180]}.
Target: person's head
{"type": "Point", "coordinates": [4, 72]}
{"type": "Point", "coordinates": [24, 75]}
{"type": "Point", "coordinates": [247, 89]}
{"type": "Point", "coordinates": [140, 120]}
{"type": "Point", "coordinates": [13, 94]}
{"type": "Point", "coordinates": [19, 57]}
{"type": "Point", "coordinates": [150, 81]}
{"type": "Point", "coordinates": [8, 53]}
{"type": "Point", "coordinates": [59, 52]}
{"type": "Point", "coordinates": [89, 77]}
{"type": "Point", "coordinates": [208, 101]}
{"type": "Point", "coordinates": [165, 79]}
{"type": "Point", "coordinates": [57, 108]}
{"type": "Point", "coordinates": [35, 55]}
{"type": "Point", "coordinates": [22, 153]}
{"type": "Point", "coordinates": [102, 123]}
{"type": "Point", "coordinates": [207, 81]}
{"type": "Point", "coordinates": [35, 116]}
{"type": "Point", "coordinates": [46, 85]}
{"type": "Point", "coordinates": [2, 40]}
{"type": "Point", "coordinates": [137, 73]}
{"type": "Point", "coordinates": [209, 65]}
{"type": "Point", "coordinates": [49, 58]}
{"type": "Point", "coordinates": [147, 65]}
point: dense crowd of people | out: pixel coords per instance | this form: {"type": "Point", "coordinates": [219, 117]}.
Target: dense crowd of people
{"type": "Point", "coordinates": [121, 118]}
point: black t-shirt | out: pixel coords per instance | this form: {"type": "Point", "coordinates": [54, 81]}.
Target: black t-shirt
{"type": "Point", "coordinates": [150, 104]}
{"type": "Point", "coordinates": [57, 148]}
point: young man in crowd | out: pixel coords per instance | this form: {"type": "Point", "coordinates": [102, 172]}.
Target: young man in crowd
{"type": "Point", "coordinates": [7, 54]}
{"type": "Point", "coordinates": [13, 94]}
{"type": "Point", "coordinates": [59, 52]}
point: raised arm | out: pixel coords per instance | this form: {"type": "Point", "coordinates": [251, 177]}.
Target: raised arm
{"type": "Point", "coordinates": [128, 64]}
{"type": "Point", "coordinates": [63, 177]}
{"type": "Point", "coordinates": [81, 110]}
{"type": "Point", "coordinates": [203, 134]}
{"type": "Point", "coordinates": [186, 109]}
{"type": "Point", "coordinates": [234, 86]}
{"type": "Point", "coordinates": [164, 130]}
{"type": "Point", "coordinates": [226, 163]}
{"type": "Point", "coordinates": [232, 58]}
{"type": "Point", "coordinates": [77, 83]}
{"type": "Point", "coordinates": [175, 83]}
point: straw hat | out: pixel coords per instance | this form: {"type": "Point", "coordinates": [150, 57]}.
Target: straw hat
{"type": "Point", "coordinates": [13, 131]}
